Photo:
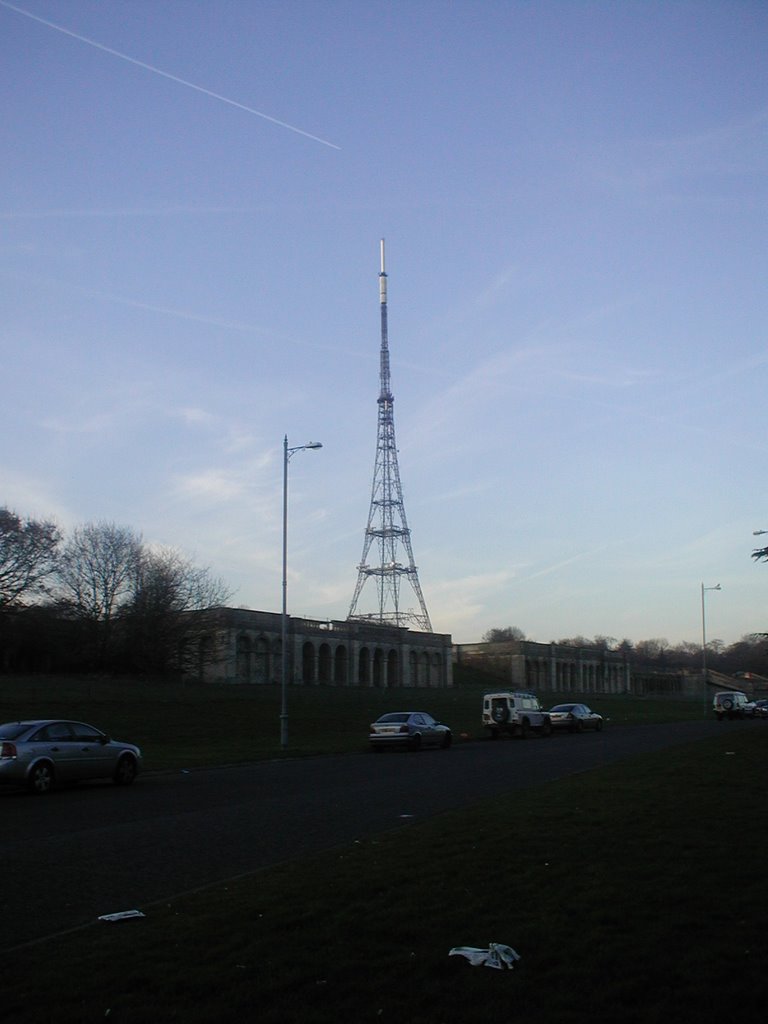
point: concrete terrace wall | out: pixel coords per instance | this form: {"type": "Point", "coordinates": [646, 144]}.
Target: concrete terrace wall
{"type": "Point", "coordinates": [248, 647]}
{"type": "Point", "coordinates": [554, 668]}
{"type": "Point", "coordinates": [527, 665]}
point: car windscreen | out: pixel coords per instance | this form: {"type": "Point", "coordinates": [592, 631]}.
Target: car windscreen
{"type": "Point", "coordinates": [395, 717]}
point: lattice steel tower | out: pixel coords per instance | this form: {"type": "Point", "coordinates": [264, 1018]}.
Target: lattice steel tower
{"type": "Point", "coordinates": [387, 526]}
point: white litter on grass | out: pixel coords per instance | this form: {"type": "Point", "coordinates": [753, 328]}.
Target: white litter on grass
{"type": "Point", "coordinates": [497, 955]}
{"type": "Point", "coordinates": [121, 915]}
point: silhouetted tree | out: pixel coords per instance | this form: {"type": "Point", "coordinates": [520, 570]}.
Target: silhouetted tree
{"type": "Point", "coordinates": [28, 552]}
{"type": "Point", "coordinates": [167, 614]}
{"type": "Point", "coordinates": [495, 636]}
{"type": "Point", "coordinates": [96, 572]}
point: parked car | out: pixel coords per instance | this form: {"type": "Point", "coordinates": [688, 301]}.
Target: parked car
{"type": "Point", "coordinates": [410, 729]}
{"type": "Point", "coordinates": [760, 709]}
{"type": "Point", "coordinates": [44, 752]}
{"type": "Point", "coordinates": [575, 717]}
{"type": "Point", "coordinates": [730, 704]}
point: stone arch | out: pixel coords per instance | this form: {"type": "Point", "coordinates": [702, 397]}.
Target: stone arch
{"type": "Point", "coordinates": [364, 666]}
{"type": "Point", "coordinates": [308, 662]}
{"type": "Point", "coordinates": [413, 669]}
{"type": "Point", "coordinates": [340, 665]}
{"type": "Point", "coordinates": [204, 654]}
{"type": "Point", "coordinates": [261, 660]}
{"type": "Point", "coordinates": [324, 664]}
{"type": "Point", "coordinates": [243, 658]}
{"type": "Point", "coordinates": [424, 669]}
{"type": "Point", "coordinates": [378, 668]}
{"type": "Point", "coordinates": [437, 669]}
{"type": "Point", "coordinates": [393, 669]}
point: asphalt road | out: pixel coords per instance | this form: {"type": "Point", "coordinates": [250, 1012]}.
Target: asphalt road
{"type": "Point", "coordinates": [96, 849]}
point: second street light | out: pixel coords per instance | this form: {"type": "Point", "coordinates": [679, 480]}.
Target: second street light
{"type": "Point", "coordinates": [287, 453]}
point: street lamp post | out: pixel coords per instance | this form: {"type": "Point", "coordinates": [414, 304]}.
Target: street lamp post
{"type": "Point", "coordinates": [704, 633]}
{"type": "Point", "coordinates": [287, 453]}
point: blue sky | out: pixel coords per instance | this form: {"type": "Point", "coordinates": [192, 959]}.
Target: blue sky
{"type": "Point", "coordinates": [573, 197]}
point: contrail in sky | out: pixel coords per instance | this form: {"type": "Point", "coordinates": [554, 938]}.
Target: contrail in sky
{"type": "Point", "coordinates": [165, 74]}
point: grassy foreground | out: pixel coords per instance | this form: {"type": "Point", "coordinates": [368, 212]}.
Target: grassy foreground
{"type": "Point", "coordinates": [635, 893]}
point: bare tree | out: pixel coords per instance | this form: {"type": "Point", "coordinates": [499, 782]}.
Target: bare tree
{"type": "Point", "coordinates": [28, 551]}
{"type": "Point", "coordinates": [97, 569]}
{"type": "Point", "coordinates": [495, 636]}
{"type": "Point", "coordinates": [656, 650]}
{"type": "Point", "coordinates": [170, 611]}
{"type": "Point", "coordinates": [605, 643]}
{"type": "Point", "coordinates": [574, 641]}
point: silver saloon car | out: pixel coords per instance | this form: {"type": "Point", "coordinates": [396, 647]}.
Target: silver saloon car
{"type": "Point", "coordinates": [41, 753]}
{"type": "Point", "coordinates": [410, 729]}
{"type": "Point", "coordinates": [575, 717]}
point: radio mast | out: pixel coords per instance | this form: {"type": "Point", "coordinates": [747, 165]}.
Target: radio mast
{"type": "Point", "coordinates": [387, 526]}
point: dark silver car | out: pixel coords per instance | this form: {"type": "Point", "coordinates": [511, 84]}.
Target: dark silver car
{"type": "Point", "coordinates": [575, 717]}
{"type": "Point", "coordinates": [410, 729]}
{"type": "Point", "coordinates": [38, 754]}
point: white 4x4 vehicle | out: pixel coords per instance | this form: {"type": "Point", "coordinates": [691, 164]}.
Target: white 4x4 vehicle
{"type": "Point", "coordinates": [730, 704]}
{"type": "Point", "coordinates": [515, 714]}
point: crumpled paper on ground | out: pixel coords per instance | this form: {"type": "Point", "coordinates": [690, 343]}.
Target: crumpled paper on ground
{"type": "Point", "coordinates": [497, 955]}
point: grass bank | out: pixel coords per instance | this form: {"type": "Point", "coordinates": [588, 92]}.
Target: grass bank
{"type": "Point", "coordinates": [189, 726]}
{"type": "Point", "coordinates": [635, 894]}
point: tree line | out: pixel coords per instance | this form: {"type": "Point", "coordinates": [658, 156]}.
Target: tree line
{"type": "Point", "coordinates": [99, 599]}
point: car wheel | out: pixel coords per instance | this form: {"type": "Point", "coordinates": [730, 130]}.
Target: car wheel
{"type": "Point", "coordinates": [599, 725]}
{"type": "Point", "coordinates": [447, 740]}
{"type": "Point", "coordinates": [40, 779]}
{"type": "Point", "coordinates": [728, 704]}
{"type": "Point", "coordinates": [546, 729]}
{"type": "Point", "coordinates": [125, 772]}
{"type": "Point", "coordinates": [525, 728]}
{"type": "Point", "coordinates": [500, 714]}
{"type": "Point", "coordinates": [416, 742]}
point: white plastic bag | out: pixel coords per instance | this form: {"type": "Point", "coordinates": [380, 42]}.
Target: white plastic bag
{"type": "Point", "coordinates": [121, 915]}
{"type": "Point", "coordinates": [497, 955]}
